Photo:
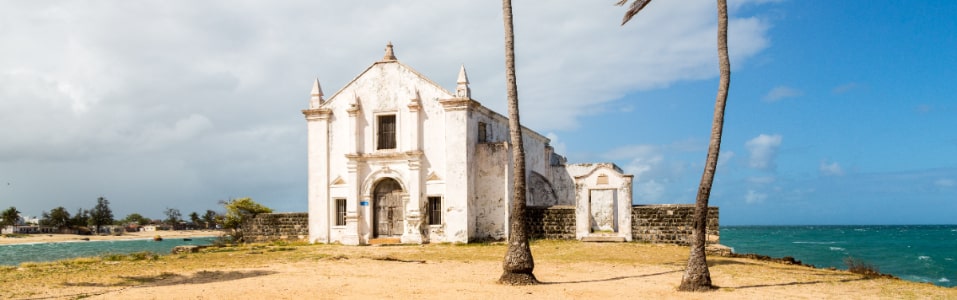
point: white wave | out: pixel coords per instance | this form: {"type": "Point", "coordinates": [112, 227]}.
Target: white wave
{"type": "Point", "coordinates": [923, 257]}
{"type": "Point", "coordinates": [943, 279]}
{"type": "Point", "coordinates": [836, 248]}
{"type": "Point", "coordinates": [814, 243]}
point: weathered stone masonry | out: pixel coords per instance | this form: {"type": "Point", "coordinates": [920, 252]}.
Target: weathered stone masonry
{"type": "Point", "coordinates": [550, 222]}
{"type": "Point", "coordinates": [660, 224]}
{"type": "Point", "coordinates": [664, 224]}
{"type": "Point", "coordinates": [277, 227]}
{"type": "Point", "coordinates": [670, 223]}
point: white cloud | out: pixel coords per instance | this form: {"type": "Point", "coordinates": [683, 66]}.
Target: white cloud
{"type": "Point", "coordinates": [781, 92]}
{"type": "Point", "coordinates": [648, 161]}
{"type": "Point", "coordinates": [644, 160]}
{"type": "Point", "coordinates": [650, 191]}
{"type": "Point", "coordinates": [945, 183]}
{"type": "Point", "coordinates": [845, 88]}
{"type": "Point", "coordinates": [761, 180]}
{"type": "Point", "coordinates": [753, 197]}
{"type": "Point", "coordinates": [212, 89]}
{"type": "Point", "coordinates": [831, 169]}
{"type": "Point", "coordinates": [735, 4]}
{"type": "Point", "coordinates": [724, 157]}
{"type": "Point", "coordinates": [557, 144]}
{"type": "Point", "coordinates": [182, 130]}
{"type": "Point", "coordinates": [763, 149]}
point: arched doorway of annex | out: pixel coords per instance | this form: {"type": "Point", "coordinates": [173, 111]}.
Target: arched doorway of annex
{"type": "Point", "coordinates": [388, 208]}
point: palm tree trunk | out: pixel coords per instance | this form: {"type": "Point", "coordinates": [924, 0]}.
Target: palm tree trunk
{"type": "Point", "coordinates": [518, 263]}
{"type": "Point", "coordinates": [696, 276]}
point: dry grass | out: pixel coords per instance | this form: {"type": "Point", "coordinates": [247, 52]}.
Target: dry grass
{"type": "Point", "coordinates": [558, 261]}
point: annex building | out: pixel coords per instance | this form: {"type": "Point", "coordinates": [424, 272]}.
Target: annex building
{"type": "Point", "coordinates": [395, 155]}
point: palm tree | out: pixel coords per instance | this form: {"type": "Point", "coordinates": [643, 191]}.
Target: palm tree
{"type": "Point", "coordinates": [696, 276]}
{"type": "Point", "coordinates": [518, 263]}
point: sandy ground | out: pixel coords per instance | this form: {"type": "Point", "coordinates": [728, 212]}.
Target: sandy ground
{"type": "Point", "coordinates": [52, 238]}
{"type": "Point", "coordinates": [568, 270]}
{"type": "Point", "coordinates": [371, 279]}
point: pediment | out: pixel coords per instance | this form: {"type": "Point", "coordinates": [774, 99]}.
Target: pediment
{"type": "Point", "coordinates": [338, 181]}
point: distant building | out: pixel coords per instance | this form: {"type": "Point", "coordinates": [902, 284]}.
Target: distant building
{"type": "Point", "coordinates": [395, 155]}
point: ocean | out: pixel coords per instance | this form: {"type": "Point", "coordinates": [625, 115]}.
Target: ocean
{"type": "Point", "coordinates": [921, 253]}
{"type": "Point", "coordinates": [12, 255]}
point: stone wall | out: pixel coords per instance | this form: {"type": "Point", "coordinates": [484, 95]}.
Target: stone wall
{"type": "Point", "coordinates": [669, 223]}
{"type": "Point", "coordinates": [550, 222]}
{"type": "Point", "coordinates": [277, 227]}
{"type": "Point", "coordinates": [663, 223]}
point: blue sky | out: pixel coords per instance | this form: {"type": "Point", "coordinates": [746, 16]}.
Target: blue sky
{"type": "Point", "coordinates": [840, 112]}
{"type": "Point", "coordinates": [854, 101]}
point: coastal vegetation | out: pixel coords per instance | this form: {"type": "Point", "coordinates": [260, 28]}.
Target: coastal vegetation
{"type": "Point", "coordinates": [237, 212]}
{"type": "Point", "coordinates": [101, 219]}
{"type": "Point", "coordinates": [570, 269]}
{"type": "Point", "coordinates": [859, 266]}
{"type": "Point", "coordinates": [101, 214]}
{"type": "Point", "coordinates": [9, 216]}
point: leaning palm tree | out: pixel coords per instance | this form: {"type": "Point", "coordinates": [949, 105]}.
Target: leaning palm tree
{"type": "Point", "coordinates": [518, 263]}
{"type": "Point", "coordinates": [696, 276]}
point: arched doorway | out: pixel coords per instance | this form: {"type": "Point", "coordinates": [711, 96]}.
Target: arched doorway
{"type": "Point", "coordinates": [387, 209]}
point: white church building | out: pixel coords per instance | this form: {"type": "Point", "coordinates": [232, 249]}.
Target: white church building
{"type": "Point", "coordinates": [395, 155]}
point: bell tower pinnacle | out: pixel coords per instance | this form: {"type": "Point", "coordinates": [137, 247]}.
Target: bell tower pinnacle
{"type": "Point", "coordinates": [389, 54]}
{"type": "Point", "coordinates": [462, 90]}
{"type": "Point", "coordinates": [315, 98]}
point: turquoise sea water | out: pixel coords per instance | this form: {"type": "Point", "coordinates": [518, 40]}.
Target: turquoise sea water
{"type": "Point", "coordinates": [922, 253]}
{"type": "Point", "coordinates": [12, 255]}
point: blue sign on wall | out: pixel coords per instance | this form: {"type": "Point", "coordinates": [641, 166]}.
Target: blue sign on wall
{"type": "Point", "coordinates": [364, 203]}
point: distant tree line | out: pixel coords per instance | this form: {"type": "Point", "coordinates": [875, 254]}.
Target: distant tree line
{"type": "Point", "coordinates": [86, 221]}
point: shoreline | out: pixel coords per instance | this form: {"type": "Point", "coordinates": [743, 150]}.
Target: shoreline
{"type": "Point", "coordinates": [62, 238]}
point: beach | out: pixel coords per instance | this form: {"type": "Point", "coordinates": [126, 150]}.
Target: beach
{"type": "Point", "coordinates": [55, 238]}
{"type": "Point", "coordinates": [568, 269]}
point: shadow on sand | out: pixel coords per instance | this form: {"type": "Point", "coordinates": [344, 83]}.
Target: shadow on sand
{"type": "Point", "coordinates": [611, 279]}
{"type": "Point", "coordinates": [167, 278]}
{"type": "Point", "coordinates": [798, 283]}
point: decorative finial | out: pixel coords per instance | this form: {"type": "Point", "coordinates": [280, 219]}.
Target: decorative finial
{"type": "Point", "coordinates": [389, 54]}
{"type": "Point", "coordinates": [462, 90]}
{"type": "Point", "coordinates": [316, 96]}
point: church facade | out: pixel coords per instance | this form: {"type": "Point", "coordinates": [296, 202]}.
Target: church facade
{"type": "Point", "coordinates": [395, 155]}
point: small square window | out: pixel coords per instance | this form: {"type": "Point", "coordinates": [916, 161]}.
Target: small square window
{"type": "Point", "coordinates": [435, 210]}
{"type": "Point", "coordinates": [340, 212]}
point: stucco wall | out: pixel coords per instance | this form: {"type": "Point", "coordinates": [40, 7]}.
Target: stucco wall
{"type": "Point", "coordinates": [488, 209]}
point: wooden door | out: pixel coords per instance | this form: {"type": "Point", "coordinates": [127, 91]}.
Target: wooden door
{"type": "Point", "coordinates": [388, 209]}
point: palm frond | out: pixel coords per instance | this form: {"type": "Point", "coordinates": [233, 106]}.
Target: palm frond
{"type": "Point", "coordinates": [633, 10]}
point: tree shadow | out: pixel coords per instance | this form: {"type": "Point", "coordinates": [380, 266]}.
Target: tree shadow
{"type": "Point", "coordinates": [719, 262]}
{"type": "Point", "coordinates": [167, 278]}
{"type": "Point", "coordinates": [796, 283]}
{"type": "Point", "coordinates": [610, 279]}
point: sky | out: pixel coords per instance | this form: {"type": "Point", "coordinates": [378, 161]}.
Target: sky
{"type": "Point", "coordinates": [839, 112]}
